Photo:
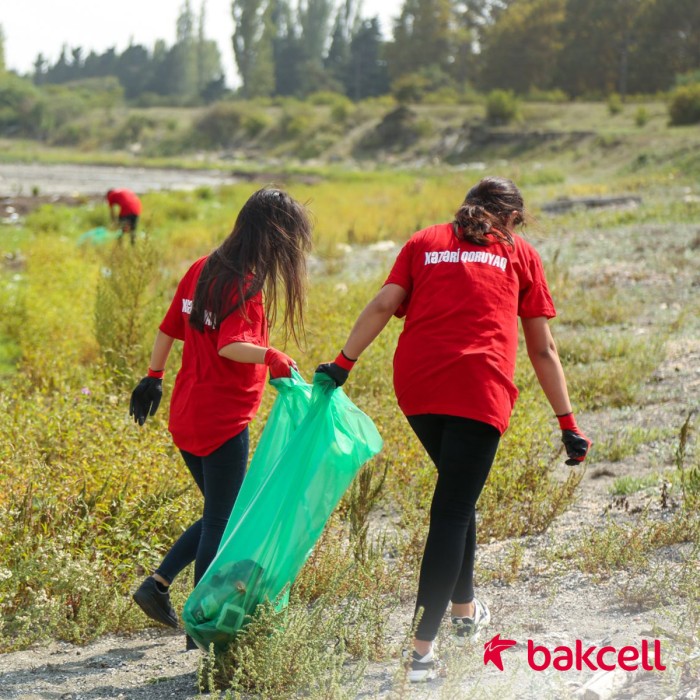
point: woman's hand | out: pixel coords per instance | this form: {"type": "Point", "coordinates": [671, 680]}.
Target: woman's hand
{"type": "Point", "coordinates": [280, 364]}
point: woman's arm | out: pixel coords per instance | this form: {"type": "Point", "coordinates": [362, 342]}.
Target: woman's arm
{"type": "Point", "coordinates": [161, 349]}
{"type": "Point", "coordinates": [244, 352]}
{"type": "Point", "coordinates": [543, 355]}
{"type": "Point", "coordinates": [373, 318]}
{"type": "Point", "coordinates": [368, 326]}
{"type": "Point", "coordinates": [545, 360]}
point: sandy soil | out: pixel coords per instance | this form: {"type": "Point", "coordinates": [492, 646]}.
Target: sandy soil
{"type": "Point", "coordinates": [549, 605]}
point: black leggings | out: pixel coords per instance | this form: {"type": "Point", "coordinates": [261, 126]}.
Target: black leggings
{"type": "Point", "coordinates": [219, 477]}
{"type": "Point", "coordinates": [463, 451]}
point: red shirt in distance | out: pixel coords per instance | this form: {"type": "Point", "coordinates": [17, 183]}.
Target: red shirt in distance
{"type": "Point", "coordinates": [456, 353]}
{"type": "Point", "coordinates": [214, 398]}
{"type": "Point", "coordinates": [127, 201]}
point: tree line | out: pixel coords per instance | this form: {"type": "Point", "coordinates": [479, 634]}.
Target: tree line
{"type": "Point", "coordinates": [588, 48]}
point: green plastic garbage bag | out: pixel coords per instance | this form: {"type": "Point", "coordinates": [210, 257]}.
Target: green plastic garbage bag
{"type": "Point", "coordinates": [97, 235]}
{"type": "Point", "coordinates": [313, 444]}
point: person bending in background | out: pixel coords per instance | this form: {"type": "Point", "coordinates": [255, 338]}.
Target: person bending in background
{"type": "Point", "coordinates": [222, 311]}
{"type": "Point", "coordinates": [461, 287]}
{"type": "Point", "coordinates": [129, 206]}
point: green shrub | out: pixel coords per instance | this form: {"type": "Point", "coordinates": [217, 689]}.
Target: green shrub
{"type": "Point", "coordinates": [218, 126]}
{"type": "Point", "coordinates": [552, 96]}
{"type": "Point", "coordinates": [122, 319]}
{"type": "Point", "coordinates": [684, 107]}
{"type": "Point", "coordinates": [254, 122]}
{"type": "Point", "coordinates": [22, 107]}
{"type": "Point", "coordinates": [615, 105]}
{"type": "Point", "coordinates": [501, 107]}
{"type": "Point", "coordinates": [641, 116]}
{"type": "Point", "coordinates": [409, 88]}
{"type": "Point", "coordinates": [295, 121]}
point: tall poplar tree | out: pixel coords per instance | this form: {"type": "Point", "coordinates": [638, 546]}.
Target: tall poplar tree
{"type": "Point", "coordinates": [252, 39]}
{"type": "Point", "coordinates": [422, 37]}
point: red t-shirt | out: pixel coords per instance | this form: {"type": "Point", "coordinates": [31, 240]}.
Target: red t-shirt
{"type": "Point", "coordinates": [127, 202]}
{"type": "Point", "coordinates": [213, 398]}
{"type": "Point", "coordinates": [456, 353]}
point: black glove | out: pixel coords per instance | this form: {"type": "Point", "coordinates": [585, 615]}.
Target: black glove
{"type": "Point", "coordinates": [335, 372]}
{"type": "Point", "coordinates": [339, 369]}
{"type": "Point", "coordinates": [576, 445]}
{"type": "Point", "coordinates": [145, 399]}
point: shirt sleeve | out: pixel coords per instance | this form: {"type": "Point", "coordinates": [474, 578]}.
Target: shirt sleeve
{"type": "Point", "coordinates": [173, 324]}
{"type": "Point", "coordinates": [236, 328]}
{"type": "Point", "coordinates": [401, 275]}
{"type": "Point", "coordinates": [534, 299]}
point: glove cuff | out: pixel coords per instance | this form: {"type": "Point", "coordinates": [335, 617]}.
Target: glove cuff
{"type": "Point", "coordinates": [272, 354]}
{"type": "Point", "coordinates": [568, 422]}
{"type": "Point", "coordinates": [344, 361]}
{"type": "Point", "coordinates": [156, 373]}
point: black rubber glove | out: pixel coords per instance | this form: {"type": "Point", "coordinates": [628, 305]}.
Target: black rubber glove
{"type": "Point", "coordinates": [335, 372]}
{"type": "Point", "coordinates": [576, 446]}
{"type": "Point", "coordinates": [575, 442]}
{"type": "Point", "coordinates": [339, 369]}
{"type": "Point", "coordinates": [145, 399]}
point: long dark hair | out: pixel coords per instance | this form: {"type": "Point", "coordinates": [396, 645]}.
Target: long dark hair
{"type": "Point", "coordinates": [486, 212]}
{"type": "Point", "coordinates": [267, 246]}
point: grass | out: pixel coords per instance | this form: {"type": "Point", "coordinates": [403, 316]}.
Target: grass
{"type": "Point", "coordinates": [627, 485]}
{"type": "Point", "coordinates": [627, 442]}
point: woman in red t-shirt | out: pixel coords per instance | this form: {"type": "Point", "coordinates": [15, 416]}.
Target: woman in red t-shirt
{"type": "Point", "coordinates": [461, 287]}
{"type": "Point", "coordinates": [220, 311]}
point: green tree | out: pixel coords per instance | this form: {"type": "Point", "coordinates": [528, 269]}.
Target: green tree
{"type": "Point", "coordinates": [422, 37]}
{"type": "Point", "coordinates": [521, 49]}
{"type": "Point", "coordinates": [21, 107]}
{"type": "Point", "coordinates": [367, 74]}
{"type": "Point", "coordinates": [40, 68]}
{"type": "Point", "coordinates": [289, 54]}
{"type": "Point", "coordinates": [252, 39]}
{"type": "Point", "coordinates": [314, 18]}
{"type": "Point", "coordinates": [346, 23]}
{"type": "Point", "coordinates": [598, 40]}
{"type": "Point", "coordinates": [2, 50]}
{"type": "Point", "coordinates": [209, 70]}
{"type": "Point", "coordinates": [134, 70]}
{"type": "Point", "coordinates": [182, 57]}
{"type": "Point", "coordinates": [669, 44]}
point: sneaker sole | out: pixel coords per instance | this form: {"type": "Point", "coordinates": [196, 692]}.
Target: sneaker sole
{"type": "Point", "coordinates": [146, 604]}
{"type": "Point", "coordinates": [420, 676]}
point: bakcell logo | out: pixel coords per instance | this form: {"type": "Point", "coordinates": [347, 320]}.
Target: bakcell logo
{"type": "Point", "coordinates": [564, 658]}
{"type": "Point", "coordinates": [493, 649]}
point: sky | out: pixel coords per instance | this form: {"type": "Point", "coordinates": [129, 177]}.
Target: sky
{"type": "Point", "coordinates": [31, 27]}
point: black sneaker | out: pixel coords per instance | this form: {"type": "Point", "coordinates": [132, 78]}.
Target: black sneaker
{"type": "Point", "coordinates": [419, 668]}
{"type": "Point", "coordinates": [467, 629]}
{"type": "Point", "coordinates": [155, 602]}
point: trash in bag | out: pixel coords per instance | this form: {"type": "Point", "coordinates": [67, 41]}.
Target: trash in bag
{"type": "Point", "coordinates": [97, 235]}
{"type": "Point", "coordinates": [223, 600]}
{"type": "Point", "coordinates": [313, 444]}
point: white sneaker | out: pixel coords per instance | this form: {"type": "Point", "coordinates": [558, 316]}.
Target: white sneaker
{"type": "Point", "coordinates": [419, 668]}
{"type": "Point", "coordinates": [467, 629]}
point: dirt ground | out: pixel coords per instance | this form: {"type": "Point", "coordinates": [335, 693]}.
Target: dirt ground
{"type": "Point", "coordinates": [547, 604]}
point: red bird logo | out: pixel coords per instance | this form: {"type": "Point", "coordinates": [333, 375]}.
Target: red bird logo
{"type": "Point", "coordinates": [493, 649]}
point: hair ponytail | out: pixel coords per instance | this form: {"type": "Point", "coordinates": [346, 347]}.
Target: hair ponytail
{"type": "Point", "coordinates": [486, 213]}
